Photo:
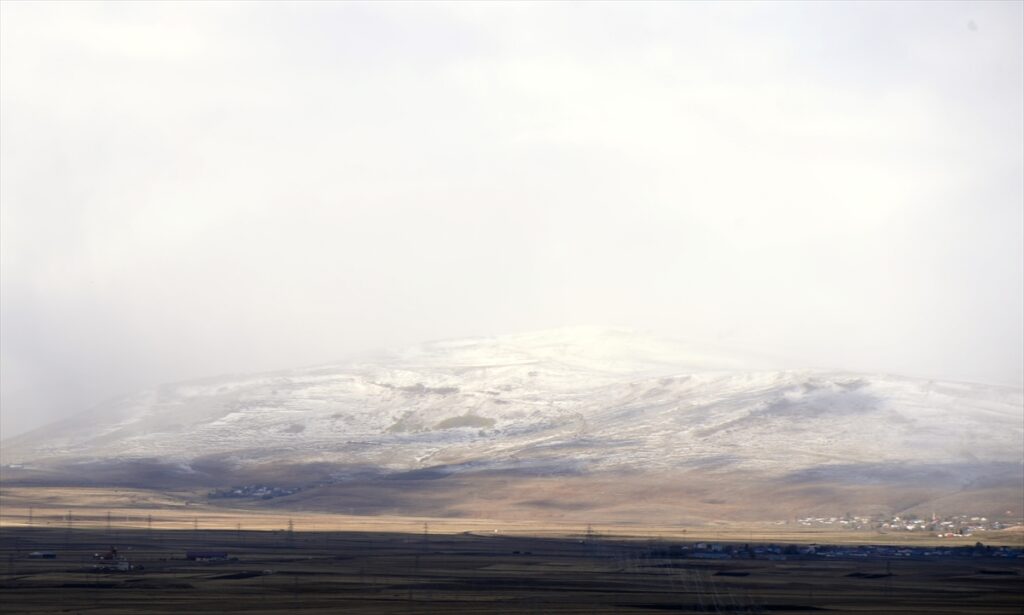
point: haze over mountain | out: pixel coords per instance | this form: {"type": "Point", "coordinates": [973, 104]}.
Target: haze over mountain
{"type": "Point", "coordinates": [194, 189]}
{"type": "Point", "coordinates": [578, 405]}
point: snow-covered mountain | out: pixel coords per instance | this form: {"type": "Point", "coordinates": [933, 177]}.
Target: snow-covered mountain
{"type": "Point", "coordinates": [567, 400]}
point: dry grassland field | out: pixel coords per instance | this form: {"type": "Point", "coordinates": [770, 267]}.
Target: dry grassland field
{"type": "Point", "coordinates": [351, 564]}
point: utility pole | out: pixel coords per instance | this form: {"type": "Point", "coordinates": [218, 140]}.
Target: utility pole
{"type": "Point", "coordinates": [67, 535]}
{"type": "Point", "coordinates": [195, 524]}
{"type": "Point", "coordinates": [588, 541]}
{"type": "Point", "coordinates": [108, 521]}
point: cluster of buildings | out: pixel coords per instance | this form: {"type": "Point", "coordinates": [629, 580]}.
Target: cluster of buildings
{"type": "Point", "coordinates": [704, 550]}
{"type": "Point", "coordinates": [962, 525]}
{"type": "Point", "coordinates": [847, 522]}
{"type": "Point", "coordinates": [111, 561]}
{"type": "Point", "coordinates": [949, 526]}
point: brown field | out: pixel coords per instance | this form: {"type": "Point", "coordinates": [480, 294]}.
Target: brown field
{"type": "Point", "coordinates": [687, 498]}
{"type": "Point", "coordinates": [139, 509]}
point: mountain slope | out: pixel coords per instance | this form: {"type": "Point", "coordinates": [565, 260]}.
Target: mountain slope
{"type": "Point", "coordinates": [556, 403]}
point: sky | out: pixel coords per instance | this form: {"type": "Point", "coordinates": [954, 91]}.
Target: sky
{"type": "Point", "coordinates": [195, 189]}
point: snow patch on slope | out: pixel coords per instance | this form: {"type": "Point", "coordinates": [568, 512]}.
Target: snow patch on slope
{"type": "Point", "coordinates": [580, 398]}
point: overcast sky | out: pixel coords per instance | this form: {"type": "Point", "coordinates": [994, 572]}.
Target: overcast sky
{"type": "Point", "coordinates": [197, 189]}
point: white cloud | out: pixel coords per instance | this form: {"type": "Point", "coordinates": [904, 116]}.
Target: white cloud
{"type": "Point", "coordinates": [198, 188]}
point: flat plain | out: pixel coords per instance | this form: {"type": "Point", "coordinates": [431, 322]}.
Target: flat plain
{"type": "Point", "coordinates": [330, 563]}
{"type": "Point", "coordinates": [472, 572]}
